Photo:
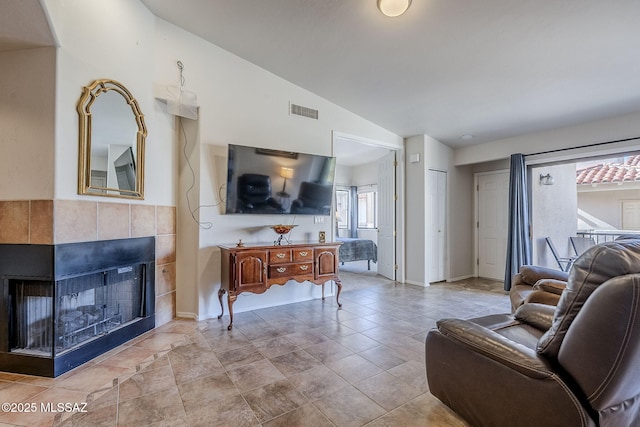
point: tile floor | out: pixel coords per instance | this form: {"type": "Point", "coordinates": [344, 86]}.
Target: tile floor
{"type": "Point", "coordinates": [306, 364]}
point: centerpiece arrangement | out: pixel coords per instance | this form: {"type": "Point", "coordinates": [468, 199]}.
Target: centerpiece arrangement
{"type": "Point", "coordinates": [282, 229]}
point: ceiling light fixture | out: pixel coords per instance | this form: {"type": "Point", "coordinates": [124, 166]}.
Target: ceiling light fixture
{"type": "Point", "coordinates": [393, 8]}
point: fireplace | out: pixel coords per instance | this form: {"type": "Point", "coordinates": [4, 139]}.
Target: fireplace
{"type": "Point", "coordinates": [62, 305]}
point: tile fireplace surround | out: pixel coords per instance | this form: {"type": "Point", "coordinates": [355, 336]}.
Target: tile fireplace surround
{"type": "Point", "coordinates": [70, 221]}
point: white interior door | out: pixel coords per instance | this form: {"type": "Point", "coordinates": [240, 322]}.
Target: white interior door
{"type": "Point", "coordinates": [631, 214]}
{"type": "Point", "coordinates": [492, 226]}
{"type": "Point", "coordinates": [387, 216]}
{"type": "Point", "coordinates": [436, 230]}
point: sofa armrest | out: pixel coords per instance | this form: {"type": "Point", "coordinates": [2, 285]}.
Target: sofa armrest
{"type": "Point", "coordinates": [551, 285]}
{"type": "Point", "coordinates": [532, 273]}
{"type": "Point", "coordinates": [542, 297]}
{"type": "Point", "coordinates": [496, 347]}
{"type": "Point", "coordinates": [540, 316]}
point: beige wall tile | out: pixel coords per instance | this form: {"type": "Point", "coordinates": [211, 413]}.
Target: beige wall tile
{"type": "Point", "coordinates": [143, 220]}
{"type": "Point", "coordinates": [75, 221]}
{"type": "Point", "coordinates": [41, 222]}
{"type": "Point", "coordinates": [113, 221]}
{"type": "Point", "coordinates": [165, 278]}
{"type": "Point", "coordinates": [166, 220]}
{"type": "Point", "coordinates": [165, 308]}
{"type": "Point", "coordinates": [14, 221]}
{"type": "Point", "coordinates": [165, 249]}
{"type": "Point", "coordinates": [67, 221]}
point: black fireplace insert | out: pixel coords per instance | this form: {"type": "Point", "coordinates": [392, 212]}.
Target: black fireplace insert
{"type": "Point", "coordinates": [62, 305]}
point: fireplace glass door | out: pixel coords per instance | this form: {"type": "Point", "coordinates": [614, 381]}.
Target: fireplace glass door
{"type": "Point", "coordinates": [86, 307]}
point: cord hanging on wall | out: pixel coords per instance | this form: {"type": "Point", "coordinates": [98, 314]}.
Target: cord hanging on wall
{"type": "Point", "coordinates": [180, 102]}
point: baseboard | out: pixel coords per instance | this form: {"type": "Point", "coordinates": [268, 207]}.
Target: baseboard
{"type": "Point", "coordinates": [455, 279]}
{"type": "Point", "coordinates": [187, 315]}
{"type": "Point", "coordinates": [411, 282]}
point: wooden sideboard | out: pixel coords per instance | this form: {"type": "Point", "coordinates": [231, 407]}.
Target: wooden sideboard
{"type": "Point", "coordinates": [255, 268]}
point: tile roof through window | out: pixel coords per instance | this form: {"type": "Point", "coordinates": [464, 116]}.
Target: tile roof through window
{"type": "Point", "coordinates": [607, 173]}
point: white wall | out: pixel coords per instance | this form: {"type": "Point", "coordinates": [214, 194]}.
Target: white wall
{"type": "Point", "coordinates": [460, 251]}
{"type": "Point", "coordinates": [594, 132]}
{"type": "Point", "coordinates": [344, 175]}
{"type": "Point", "coordinates": [495, 155]}
{"type": "Point", "coordinates": [601, 207]}
{"type": "Point", "coordinates": [366, 174]}
{"type": "Point", "coordinates": [27, 96]}
{"type": "Point", "coordinates": [415, 174]}
{"type": "Point", "coordinates": [240, 103]}
{"type": "Point", "coordinates": [243, 104]}
{"type": "Point", "coordinates": [115, 42]}
{"type": "Point", "coordinates": [432, 155]}
{"type": "Point", "coordinates": [554, 209]}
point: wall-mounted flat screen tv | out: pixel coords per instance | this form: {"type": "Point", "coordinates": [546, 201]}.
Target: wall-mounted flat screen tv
{"type": "Point", "coordinates": [264, 181]}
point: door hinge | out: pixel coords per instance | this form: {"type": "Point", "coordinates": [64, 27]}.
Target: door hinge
{"type": "Point", "coordinates": [395, 197]}
{"type": "Point", "coordinates": [395, 163]}
{"type": "Point", "coordinates": [395, 266]}
{"type": "Point", "coordinates": [477, 187]}
{"type": "Point", "coordinates": [477, 261]}
{"type": "Point", "coordinates": [477, 224]}
{"type": "Point", "coordinates": [395, 233]}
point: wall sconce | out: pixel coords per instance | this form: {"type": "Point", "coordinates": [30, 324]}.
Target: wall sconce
{"type": "Point", "coordinates": [546, 179]}
{"type": "Point", "coordinates": [393, 8]}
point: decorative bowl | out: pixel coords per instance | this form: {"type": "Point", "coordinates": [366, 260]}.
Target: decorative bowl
{"type": "Point", "coordinates": [283, 229]}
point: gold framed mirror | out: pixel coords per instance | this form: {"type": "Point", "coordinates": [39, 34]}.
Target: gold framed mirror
{"type": "Point", "coordinates": [112, 140]}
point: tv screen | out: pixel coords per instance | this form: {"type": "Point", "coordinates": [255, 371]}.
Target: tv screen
{"type": "Point", "coordinates": [264, 181]}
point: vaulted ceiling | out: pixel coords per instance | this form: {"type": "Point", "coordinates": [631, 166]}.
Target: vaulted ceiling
{"type": "Point", "coordinates": [491, 69]}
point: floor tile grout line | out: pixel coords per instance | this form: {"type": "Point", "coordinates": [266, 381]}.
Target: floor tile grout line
{"type": "Point", "coordinates": [403, 296]}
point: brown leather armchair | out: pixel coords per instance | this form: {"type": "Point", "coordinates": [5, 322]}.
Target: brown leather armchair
{"type": "Point", "coordinates": [577, 364]}
{"type": "Point", "coordinates": [537, 284]}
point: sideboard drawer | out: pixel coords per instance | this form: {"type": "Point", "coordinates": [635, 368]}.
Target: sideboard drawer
{"type": "Point", "coordinates": [279, 256]}
{"type": "Point", "coordinates": [290, 270]}
{"type": "Point", "coordinates": [303, 254]}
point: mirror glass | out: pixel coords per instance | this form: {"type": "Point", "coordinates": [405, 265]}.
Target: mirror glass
{"type": "Point", "coordinates": [112, 137]}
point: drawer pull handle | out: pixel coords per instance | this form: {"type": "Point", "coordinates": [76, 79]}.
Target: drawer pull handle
{"type": "Point", "coordinates": [281, 269]}
{"type": "Point", "coordinates": [304, 253]}
{"type": "Point", "coordinates": [304, 267]}
{"type": "Point", "coordinates": [280, 255]}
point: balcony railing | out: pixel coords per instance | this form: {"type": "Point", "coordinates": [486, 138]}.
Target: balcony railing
{"type": "Point", "coordinates": [600, 236]}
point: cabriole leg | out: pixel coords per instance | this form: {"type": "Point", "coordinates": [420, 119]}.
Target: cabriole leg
{"type": "Point", "coordinates": [220, 293]}
{"type": "Point", "coordinates": [339, 285]}
{"type": "Point", "coordinates": [230, 300]}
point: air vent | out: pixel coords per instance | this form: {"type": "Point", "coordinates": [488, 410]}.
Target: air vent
{"type": "Point", "coordinates": [299, 110]}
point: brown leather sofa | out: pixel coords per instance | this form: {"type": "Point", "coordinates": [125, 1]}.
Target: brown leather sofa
{"type": "Point", "coordinates": [537, 284]}
{"type": "Point", "coordinates": [577, 364]}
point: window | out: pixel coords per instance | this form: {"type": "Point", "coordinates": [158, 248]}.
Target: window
{"type": "Point", "coordinates": [342, 209]}
{"type": "Point", "coordinates": [367, 209]}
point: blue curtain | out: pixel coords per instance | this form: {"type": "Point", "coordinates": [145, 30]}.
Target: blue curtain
{"type": "Point", "coordinates": [518, 240]}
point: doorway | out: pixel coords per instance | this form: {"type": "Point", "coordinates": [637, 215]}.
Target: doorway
{"type": "Point", "coordinates": [436, 225]}
{"type": "Point", "coordinates": [492, 201]}
{"type": "Point", "coordinates": [369, 168]}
